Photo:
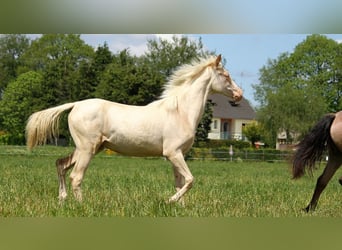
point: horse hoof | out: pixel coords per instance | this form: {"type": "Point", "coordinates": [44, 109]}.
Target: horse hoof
{"type": "Point", "coordinates": [309, 208]}
{"type": "Point", "coordinates": [340, 181]}
{"type": "Point", "coordinates": [306, 209]}
{"type": "Point", "coordinates": [170, 201]}
{"type": "Point", "coordinates": [61, 201]}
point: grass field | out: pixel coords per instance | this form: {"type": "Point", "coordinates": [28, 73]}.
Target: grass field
{"type": "Point", "coordinates": [135, 187]}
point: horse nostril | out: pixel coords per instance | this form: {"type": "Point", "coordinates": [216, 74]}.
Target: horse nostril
{"type": "Point", "coordinates": [237, 96]}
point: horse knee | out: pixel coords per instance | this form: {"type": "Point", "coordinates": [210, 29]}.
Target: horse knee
{"type": "Point", "coordinates": [189, 181]}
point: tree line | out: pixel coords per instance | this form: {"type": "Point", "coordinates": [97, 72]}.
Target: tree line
{"type": "Point", "coordinates": [60, 68]}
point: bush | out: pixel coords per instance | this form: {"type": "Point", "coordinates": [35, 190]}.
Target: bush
{"type": "Point", "coordinates": [248, 154]}
{"type": "Point", "coordinates": [215, 144]}
{"type": "Point", "coordinates": [10, 139]}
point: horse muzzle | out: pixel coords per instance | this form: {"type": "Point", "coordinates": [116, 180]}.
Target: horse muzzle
{"type": "Point", "coordinates": [237, 95]}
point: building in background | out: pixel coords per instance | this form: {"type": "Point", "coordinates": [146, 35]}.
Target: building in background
{"type": "Point", "coordinates": [229, 118]}
{"type": "Point", "coordinates": [286, 141]}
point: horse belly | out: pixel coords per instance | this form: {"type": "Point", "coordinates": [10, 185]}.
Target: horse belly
{"type": "Point", "coordinates": [135, 146]}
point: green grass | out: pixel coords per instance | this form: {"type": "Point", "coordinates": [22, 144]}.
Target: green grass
{"type": "Point", "coordinates": [136, 187]}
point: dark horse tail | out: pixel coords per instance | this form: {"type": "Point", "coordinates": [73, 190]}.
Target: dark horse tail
{"type": "Point", "coordinates": [311, 148]}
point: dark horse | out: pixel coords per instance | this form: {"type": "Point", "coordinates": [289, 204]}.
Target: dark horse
{"type": "Point", "coordinates": [325, 135]}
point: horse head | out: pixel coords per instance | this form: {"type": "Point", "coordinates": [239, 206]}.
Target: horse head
{"type": "Point", "coordinates": [223, 83]}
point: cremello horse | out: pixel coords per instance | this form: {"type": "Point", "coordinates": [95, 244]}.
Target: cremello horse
{"type": "Point", "coordinates": [165, 127]}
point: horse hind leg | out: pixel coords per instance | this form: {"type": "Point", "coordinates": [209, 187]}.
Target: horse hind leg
{"type": "Point", "coordinates": [333, 164]}
{"type": "Point", "coordinates": [63, 165]}
{"type": "Point", "coordinates": [179, 183]}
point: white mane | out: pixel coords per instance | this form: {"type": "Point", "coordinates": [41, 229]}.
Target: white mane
{"type": "Point", "coordinates": [185, 74]}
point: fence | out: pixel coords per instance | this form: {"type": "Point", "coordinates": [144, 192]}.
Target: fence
{"type": "Point", "coordinates": [240, 155]}
{"type": "Point", "coordinates": [227, 136]}
{"type": "Point", "coordinates": [194, 154]}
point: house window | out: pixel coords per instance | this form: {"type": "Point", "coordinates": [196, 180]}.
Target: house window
{"type": "Point", "coordinates": [233, 104]}
{"type": "Point", "coordinates": [215, 124]}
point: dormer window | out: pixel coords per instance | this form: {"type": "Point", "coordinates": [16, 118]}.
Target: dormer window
{"type": "Point", "coordinates": [234, 104]}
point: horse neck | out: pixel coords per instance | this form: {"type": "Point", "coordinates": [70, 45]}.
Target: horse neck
{"type": "Point", "coordinates": [192, 102]}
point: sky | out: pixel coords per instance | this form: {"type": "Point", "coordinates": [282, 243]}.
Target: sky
{"type": "Point", "coordinates": [245, 54]}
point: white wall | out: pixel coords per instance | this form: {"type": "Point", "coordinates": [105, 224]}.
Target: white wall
{"type": "Point", "coordinates": [235, 130]}
{"type": "Point", "coordinates": [215, 131]}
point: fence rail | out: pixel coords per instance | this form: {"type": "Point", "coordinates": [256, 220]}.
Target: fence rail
{"type": "Point", "coordinates": [195, 153]}
{"type": "Point", "coordinates": [242, 155]}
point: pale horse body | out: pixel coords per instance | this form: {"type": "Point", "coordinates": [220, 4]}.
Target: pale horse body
{"type": "Point", "coordinates": [165, 127]}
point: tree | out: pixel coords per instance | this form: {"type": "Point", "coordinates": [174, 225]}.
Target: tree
{"type": "Point", "coordinates": [338, 66]}
{"type": "Point", "coordinates": [165, 56]}
{"type": "Point", "coordinates": [317, 63]}
{"type": "Point", "coordinates": [11, 49]}
{"type": "Point", "coordinates": [296, 89]}
{"type": "Point", "coordinates": [103, 56]}
{"type": "Point", "coordinates": [205, 124]}
{"type": "Point", "coordinates": [21, 98]}
{"type": "Point", "coordinates": [59, 58]}
{"type": "Point", "coordinates": [91, 72]}
{"type": "Point", "coordinates": [129, 80]}
{"type": "Point", "coordinates": [253, 132]}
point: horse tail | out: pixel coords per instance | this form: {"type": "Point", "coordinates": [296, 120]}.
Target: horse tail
{"type": "Point", "coordinates": [311, 148]}
{"type": "Point", "coordinates": [43, 125]}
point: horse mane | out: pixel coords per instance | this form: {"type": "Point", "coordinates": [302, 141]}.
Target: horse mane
{"type": "Point", "coordinates": [185, 74]}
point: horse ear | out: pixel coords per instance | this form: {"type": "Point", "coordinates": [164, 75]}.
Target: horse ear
{"type": "Point", "coordinates": [218, 60]}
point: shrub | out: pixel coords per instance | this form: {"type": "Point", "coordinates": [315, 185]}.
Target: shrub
{"type": "Point", "coordinates": [11, 139]}
{"type": "Point", "coordinates": [214, 144]}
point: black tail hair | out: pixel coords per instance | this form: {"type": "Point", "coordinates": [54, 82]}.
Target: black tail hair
{"type": "Point", "coordinates": [311, 148]}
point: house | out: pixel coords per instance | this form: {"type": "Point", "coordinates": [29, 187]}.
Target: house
{"type": "Point", "coordinates": [286, 141]}
{"type": "Point", "coordinates": [229, 118]}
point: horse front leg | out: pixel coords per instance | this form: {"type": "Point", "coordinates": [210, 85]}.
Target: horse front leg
{"type": "Point", "coordinates": [78, 172]}
{"type": "Point", "coordinates": [322, 181]}
{"type": "Point", "coordinates": [183, 176]}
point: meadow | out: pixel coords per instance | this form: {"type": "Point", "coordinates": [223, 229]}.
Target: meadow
{"type": "Point", "coordinates": [116, 186]}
